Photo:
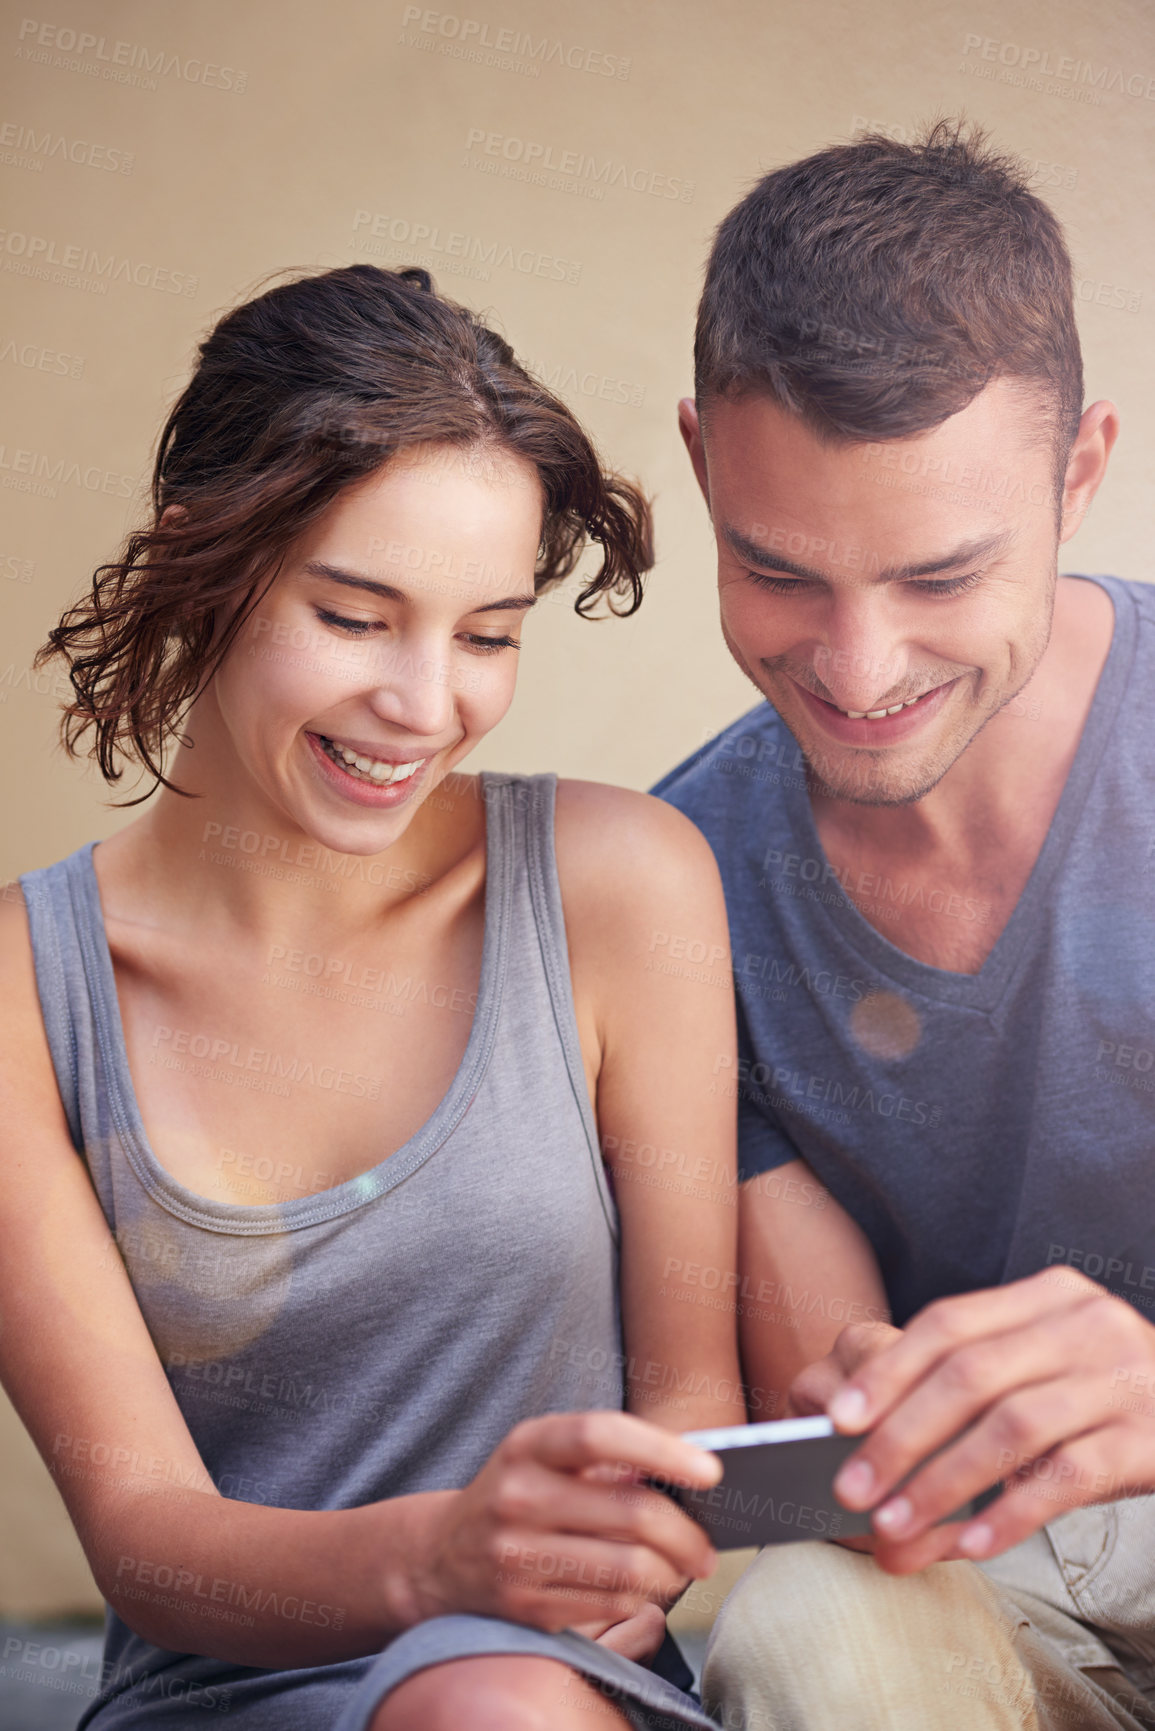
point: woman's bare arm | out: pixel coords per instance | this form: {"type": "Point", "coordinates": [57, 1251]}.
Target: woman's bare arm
{"type": "Point", "coordinates": [196, 1572]}
{"type": "Point", "coordinates": [184, 1566]}
{"type": "Point", "coordinates": [649, 950]}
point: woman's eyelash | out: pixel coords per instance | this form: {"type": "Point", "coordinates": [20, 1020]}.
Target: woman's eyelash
{"type": "Point", "coordinates": [358, 627]}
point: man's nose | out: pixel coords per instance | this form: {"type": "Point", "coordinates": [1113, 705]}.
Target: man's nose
{"type": "Point", "coordinates": [860, 659]}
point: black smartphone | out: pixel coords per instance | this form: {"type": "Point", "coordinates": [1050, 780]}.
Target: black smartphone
{"type": "Point", "coordinates": [778, 1485]}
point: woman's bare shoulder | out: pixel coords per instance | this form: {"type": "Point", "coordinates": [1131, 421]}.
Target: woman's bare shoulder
{"type": "Point", "coordinates": [15, 942]}
{"type": "Point", "coordinates": [617, 828]}
{"type": "Point", "coordinates": [624, 856]}
{"type": "Point", "coordinates": [23, 1045]}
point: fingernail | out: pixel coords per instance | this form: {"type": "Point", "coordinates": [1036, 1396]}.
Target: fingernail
{"type": "Point", "coordinates": [855, 1483]}
{"type": "Point", "coordinates": [848, 1407]}
{"type": "Point", "coordinates": [895, 1516]}
{"type": "Point", "coordinates": [705, 1462]}
{"type": "Point", "coordinates": [976, 1541]}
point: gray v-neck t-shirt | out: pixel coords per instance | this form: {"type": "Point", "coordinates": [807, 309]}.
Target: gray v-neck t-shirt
{"type": "Point", "coordinates": [978, 1127]}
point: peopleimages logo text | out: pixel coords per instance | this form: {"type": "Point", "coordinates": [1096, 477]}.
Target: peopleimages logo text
{"type": "Point", "coordinates": [522, 45]}
{"type": "Point", "coordinates": [32, 254]}
{"type": "Point", "coordinates": [1067, 68]}
{"type": "Point", "coordinates": [48, 43]}
{"type": "Point", "coordinates": [451, 245]}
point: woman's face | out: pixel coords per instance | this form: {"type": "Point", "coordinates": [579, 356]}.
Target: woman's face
{"type": "Point", "coordinates": [387, 645]}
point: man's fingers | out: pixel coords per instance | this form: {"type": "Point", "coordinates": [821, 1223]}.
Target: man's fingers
{"type": "Point", "coordinates": [944, 1328]}
{"type": "Point", "coordinates": [911, 1556]}
{"type": "Point", "coordinates": [859, 1342]}
{"type": "Point", "coordinates": [1016, 1433]}
{"type": "Point", "coordinates": [1003, 1377]}
{"type": "Point", "coordinates": [1072, 1476]}
{"type": "Point", "coordinates": [813, 1388]}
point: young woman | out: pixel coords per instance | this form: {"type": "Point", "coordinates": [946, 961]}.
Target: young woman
{"type": "Point", "coordinates": [330, 1082]}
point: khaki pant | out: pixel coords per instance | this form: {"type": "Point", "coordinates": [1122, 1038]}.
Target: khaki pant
{"type": "Point", "coordinates": [1057, 1635]}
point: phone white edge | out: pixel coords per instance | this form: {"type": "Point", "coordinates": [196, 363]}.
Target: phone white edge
{"type": "Point", "coordinates": [781, 1430]}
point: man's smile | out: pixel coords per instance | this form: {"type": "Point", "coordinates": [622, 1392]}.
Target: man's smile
{"type": "Point", "coordinates": [873, 727]}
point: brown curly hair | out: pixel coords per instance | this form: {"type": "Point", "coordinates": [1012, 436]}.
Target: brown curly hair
{"type": "Point", "coordinates": [297, 394]}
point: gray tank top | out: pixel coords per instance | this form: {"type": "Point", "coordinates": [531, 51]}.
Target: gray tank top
{"type": "Point", "coordinates": [379, 1338]}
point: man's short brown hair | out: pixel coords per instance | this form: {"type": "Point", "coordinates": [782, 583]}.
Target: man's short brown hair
{"type": "Point", "coordinates": [875, 288]}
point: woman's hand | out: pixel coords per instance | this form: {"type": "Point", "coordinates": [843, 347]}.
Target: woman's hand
{"type": "Point", "coordinates": [637, 1637]}
{"type": "Point", "coordinates": [558, 1529]}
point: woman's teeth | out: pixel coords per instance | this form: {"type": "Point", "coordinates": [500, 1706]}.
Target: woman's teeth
{"type": "Point", "coordinates": [373, 769]}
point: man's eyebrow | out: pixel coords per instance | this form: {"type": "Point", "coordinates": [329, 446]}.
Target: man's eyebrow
{"type": "Point", "coordinates": [969, 553]}
{"type": "Point", "coordinates": [354, 580]}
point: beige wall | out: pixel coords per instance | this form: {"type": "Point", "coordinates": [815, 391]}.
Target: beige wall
{"type": "Point", "coordinates": [208, 143]}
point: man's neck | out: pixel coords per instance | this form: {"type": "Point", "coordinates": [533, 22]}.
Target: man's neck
{"type": "Point", "coordinates": [941, 877]}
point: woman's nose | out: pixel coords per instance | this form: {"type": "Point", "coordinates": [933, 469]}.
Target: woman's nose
{"type": "Point", "coordinates": [414, 689]}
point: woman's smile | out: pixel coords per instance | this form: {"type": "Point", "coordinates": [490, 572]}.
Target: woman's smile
{"type": "Point", "coordinates": [381, 782]}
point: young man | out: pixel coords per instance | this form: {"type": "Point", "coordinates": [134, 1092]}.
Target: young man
{"type": "Point", "coordinates": [938, 842]}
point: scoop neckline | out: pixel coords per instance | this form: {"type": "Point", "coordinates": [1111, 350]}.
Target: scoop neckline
{"type": "Point", "coordinates": [263, 1218]}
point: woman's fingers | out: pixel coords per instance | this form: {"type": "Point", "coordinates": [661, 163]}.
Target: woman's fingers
{"type": "Point", "coordinates": [556, 1579]}
{"type": "Point", "coordinates": [531, 1498]}
{"type": "Point", "coordinates": [571, 1441]}
{"type": "Point", "coordinates": [637, 1637]}
{"type": "Point", "coordinates": [559, 1526]}
{"type": "Point", "coordinates": [584, 1451]}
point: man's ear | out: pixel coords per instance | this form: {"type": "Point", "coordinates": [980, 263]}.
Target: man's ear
{"type": "Point", "coordinates": [690, 426]}
{"type": "Point", "coordinates": [1087, 463]}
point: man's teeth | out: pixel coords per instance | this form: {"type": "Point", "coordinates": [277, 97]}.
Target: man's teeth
{"type": "Point", "coordinates": [877, 714]}
{"type": "Point", "coordinates": [373, 769]}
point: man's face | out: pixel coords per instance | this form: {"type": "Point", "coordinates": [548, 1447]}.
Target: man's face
{"type": "Point", "coordinates": [887, 598]}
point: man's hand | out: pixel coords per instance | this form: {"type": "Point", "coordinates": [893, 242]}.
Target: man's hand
{"type": "Point", "coordinates": [1038, 1383]}
{"type": "Point", "coordinates": [815, 1387]}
